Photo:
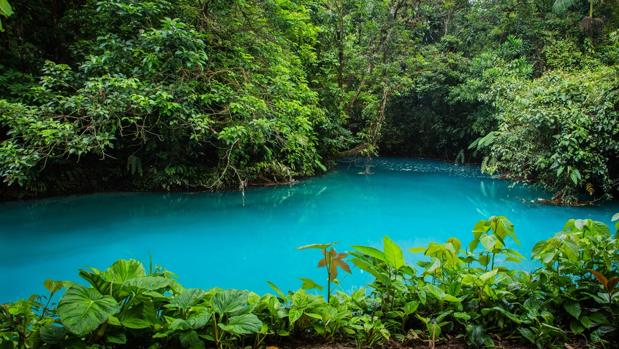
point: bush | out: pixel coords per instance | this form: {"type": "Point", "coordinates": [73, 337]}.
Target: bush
{"type": "Point", "coordinates": [465, 293]}
{"type": "Point", "coordinates": [561, 129]}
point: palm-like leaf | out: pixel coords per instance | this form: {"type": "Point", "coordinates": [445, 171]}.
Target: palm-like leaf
{"type": "Point", "coordinates": [560, 6]}
{"type": "Point", "coordinates": [333, 260]}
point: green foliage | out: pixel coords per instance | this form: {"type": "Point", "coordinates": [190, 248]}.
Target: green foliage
{"type": "Point", "coordinates": [82, 310]}
{"type": "Point", "coordinates": [573, 294]}
{"type": "Point", "coordinates": [207, 95]}
{"type": "Point", "coordinates": [161, 103]}
{"type": "Point", "coordinates": [5, 10]}
{"type": "Point", "coordinates": [331, 261]}
{"type": "Point", "coordinates": [561, 6]}
{"type": "Point", "coordinates": [560, 129]}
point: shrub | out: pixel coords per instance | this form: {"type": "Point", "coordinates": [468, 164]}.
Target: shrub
{"type": "Point", "coordinates": [467, 293]}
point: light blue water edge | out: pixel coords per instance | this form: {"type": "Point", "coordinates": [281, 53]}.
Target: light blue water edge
{"type": "Point", "coordinates": [227, 240]}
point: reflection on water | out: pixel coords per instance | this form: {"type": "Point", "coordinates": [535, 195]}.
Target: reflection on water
{"type": "Point", "coordinates": [222, 239]}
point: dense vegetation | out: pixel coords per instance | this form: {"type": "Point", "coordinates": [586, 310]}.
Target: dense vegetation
{"type": "Point", "coordinates": [210, 94]}
{"type": "Point", "coordinates": [468, 293]}
{"type": "Point", "coordinates": [214, 94]}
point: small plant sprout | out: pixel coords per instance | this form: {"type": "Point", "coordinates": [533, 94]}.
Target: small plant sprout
{"type": "Point", "coordinates": [332, 261]}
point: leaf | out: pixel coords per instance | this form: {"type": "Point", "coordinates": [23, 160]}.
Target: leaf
{"type": "Point", "coordinates": [393, 253]}
{"type": "Point", "coordinates": [53, 286]}
{"type": "Point", "coordinates": [52, 334]}
{"type": "Point", "coordinates": [576, 327]}
{"type": "Point", "coordinates": [548, 257]}
{"type": "Point", "coordinates": [601, 278]}
{"type": "Point", "coordinates": [431, 268]}
{"type": "Point", "coordinates": [484, 259]}
{"type": "Point", "coordinates": [82, 309]}
{"type": "Point", "coordinates": [490, 242]}
{"type": "Point", "coordinates": [456, 243]}
{"type": "Point", "coordinates": [599, 319]}
{"type": "Point", "coordinates": [96, 280]}
{"type": "Point", "coordinates": [316, 246]}
{"type": "Point", "coordinates": [230, 302]}
{"type": "Point", "coordinates": [507, 314]}
{"type": "Point", "coordinates": [462, 316]}
{"type": "Point", "coordinates": [503, 227]}
{"type": "Point", "coordinates": [411, 307]}
{"type": "Point", "coordinates": [417, 249]}
{"type": "Point", "coordinates": [135, 323]}
{"type": "Point", "coordinates": [434, 330]}
{"type": "Point", "coordinates": [371, 251]}
{"type": "Point", "coordinates": [573, 308]}
{"type": "Point", "coordinates": [309, 284]}
{"type": "Point", "coordinates": [5, 8]}
{"type": "Point", "coordinates": [488, 275]}
{"type": "Point", "coordinates": [364, 265]}
{"type": "Point", "coordinates": [199, 319]}
{"type": "Point", "coordinates": [440, 294]}
{"type": "Point", "coordinates": [320, 165]}
{"type": "Point", "coordinates": [294, 315]}
{"type": "Point", "coordinates": [242, 324]}
{"type": "Point", "coordinates": [482, 226]}
{"type": "Point", "coordinates": [152, 283]}
{"type": "Point", "coordinates": [615, 217]}
{"type": "Point", "coordinates": [277, 290]}
{"type": "Point", "coordinates": [575, 176]}
{"type": "Point", "coordinates": [528, 334]}
{"type": "Point", "coordinates": [339, 261]}
{"type": "Point", "coordinates": [117, 338]}
{"type": "Point", "coordinates": [179, 325]}
{"type": "Point", "coordinates": [187, 298]}
{"type": "Point", "coordinates": [123, 270]}
{"type": "Point", "coordinates": [585, 321]}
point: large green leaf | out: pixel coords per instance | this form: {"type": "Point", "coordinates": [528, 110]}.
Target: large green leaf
{"type": "Point", "coordinates": [503, 227]}
{"type": "Point", "coordinates": [230, 302]}
{"type": "Point", "coordinates": [199, 319]}
{"type": "Point", "coordinates": [52, 334]}
{"type": "Point", "coordinates": [242, 324]}
{"type": "Point", "coordinates": [393, 253]}
{"type": "Point", "coordinates": [82, 309]}
{"type": "Point", "coordinates": [96, 280]}
{"type": "Point", "coordinates": [362, 264]}
{"type": "Point", "coordinates": [124, 270]}
{"type": "Point", "coordinates": [149, 282]}
{"type": "Point", "coordinates": [573, 308]}
{"type": "Point", "coordinates": [186, 299]}
{"type": "Point", "coordinates": [371, 251]}
{"type": "Point", "coordinates": [5, 8]}
{"type": "Point", "coordinates": [491, 242]}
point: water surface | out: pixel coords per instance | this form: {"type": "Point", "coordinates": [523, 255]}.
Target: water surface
{"type": "Point", "coordinates": [223, 239]}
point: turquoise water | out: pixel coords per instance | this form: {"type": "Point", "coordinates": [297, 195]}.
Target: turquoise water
{"type": "Point", "coordinates": [223, 239]}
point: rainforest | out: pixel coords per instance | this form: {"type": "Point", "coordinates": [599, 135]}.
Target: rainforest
{"type": "Point", "coordinates": [452, 165]}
